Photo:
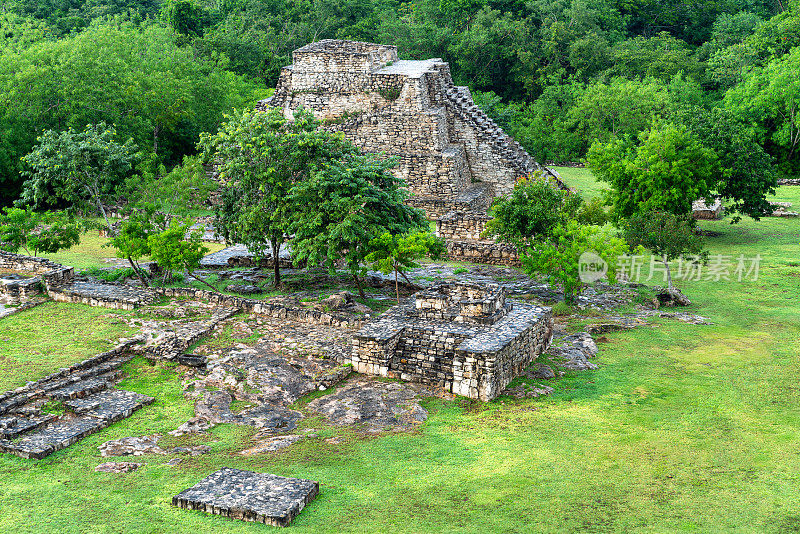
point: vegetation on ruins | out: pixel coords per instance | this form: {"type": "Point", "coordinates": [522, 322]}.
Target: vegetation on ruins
{"type": "Point", "coordinates": [531, 212]}
{"type": "Point", "coordinates": [399, 253]}
{"type": "Point", "coordinates": [666, 170]}
{"type": "Point", "coordinates": [343, 207]}
{"type": "Point", "coordinates": [262, 157]}
{"type": "Point", "coordinates": [666, 235]}
{"type": "Point", "coordinates": [557, 76]}
{"type": "Point", "coordinates": [173, 251]}
{"type": "Point", "coordinates": [715, 403]}
{"type": "Point", "coordinates": [558, 256]}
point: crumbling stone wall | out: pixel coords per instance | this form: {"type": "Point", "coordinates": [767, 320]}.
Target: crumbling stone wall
{"type": "Point", "coordinates": [465, 338]}
{"type": "Point", "coordinates": [47, 276]}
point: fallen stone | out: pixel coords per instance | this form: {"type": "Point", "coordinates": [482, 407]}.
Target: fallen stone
{"type": "Point", "coordinates": [540, 371]}
{"type": "Point", "coordinates": [215, 407]}
{"type": "Point", "coordinates": [526, 391]}
{"type": "Point", "coordinates": [117, 467]}
{"type": "Point", "coordinates": [377, 406]}
{"type": "Point", "coordinates": [666, 297]}
{"type": "Point", "coordinates": [195, 425]}
{"type": "Point", "coordinates": [249, 496]}
{"type": "Point", "coordinates": [132, 446]}
{"type": "Point", "coordinates": [272, 444]}
{"type": "Point", "coordinates": [574, 351]}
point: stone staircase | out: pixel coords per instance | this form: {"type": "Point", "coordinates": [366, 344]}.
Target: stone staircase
{"type": "Point", "coordinates": [86, 394]}
{"type": "Point", "coordinates": [460, 103]}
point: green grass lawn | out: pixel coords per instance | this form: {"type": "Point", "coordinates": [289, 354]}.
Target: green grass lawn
{"type": "Point", "coordinates": [682, 429]}
{"type": "Point", "coordinates": [39, 341]}
{"type": "Point", "coordinates": [92, 252]}
{"type": "Point", "coordinates": [582, 180]}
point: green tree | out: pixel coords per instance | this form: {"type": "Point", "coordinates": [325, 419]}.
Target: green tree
{"type": "Point", "coordinates": [399, 253]}
{"type": "Point", "coordinates": [667, 170]}
{"type": "Point", "coordinates": [558, 256]}
{"type": "Point", "coordinates": [37, 232]}
{"type": "Point", "coordinates": [131, 241]}
{"type": "Point", "coordinates": [768, 100]}
{"type": "Point", "coordinates": [343, 207]}
{"type": "Point", "coordinates": [744, 174]}
{"type": "Point", "coordinates": [134, 77]}
{"type": "Point", "coordinates": [83, 168]}
{"type": "Point", "coordinates": [666, 235]}
{"type": "Point", "coordinates": [534, 208]}
{"type": "Point", "coordinates": [262, 156]}
{"type": "Point", "coordinates": [172, 250]}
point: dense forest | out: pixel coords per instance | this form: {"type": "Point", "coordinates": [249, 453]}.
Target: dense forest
{"type": "Point", "coordinates": [567, 78]}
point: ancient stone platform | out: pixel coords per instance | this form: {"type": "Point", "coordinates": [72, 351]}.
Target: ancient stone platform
{"type": "Point", "coordinates": [106, 295]}
{"type": "Point", "coordinates": [465, 338]}
{"type": "Point", "coordinates": [249, 496]}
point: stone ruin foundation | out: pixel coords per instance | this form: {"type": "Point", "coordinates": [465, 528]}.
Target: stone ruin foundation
{"type": "Point", "coordinates": [466, 338]}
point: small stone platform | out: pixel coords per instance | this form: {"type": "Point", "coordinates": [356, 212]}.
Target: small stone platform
{"type": "Point", "coordinates": [465, 338]}
{"type": "Point", "coordinates": [240, 256]}
{"type": "Point", "coordinates": [249, 496]}
{"type": "Point", "coordinates": [119, 297]}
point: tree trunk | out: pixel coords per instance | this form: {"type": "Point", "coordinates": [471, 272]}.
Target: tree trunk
{"type": "Point", "coordinates": [358, 285]}
{"type": "Point", "coordinates": [138, 272]}
{"type": "Point", "coordinates": [101, 209]}
{"type": "Point", "coordinates": [201, 280]}
{"type": "Point", "coordinates": [276, 267]}
{"type": "Point", "coordinates": [396, 285]}
{"type": "Point", "coordinates": [670, 287]}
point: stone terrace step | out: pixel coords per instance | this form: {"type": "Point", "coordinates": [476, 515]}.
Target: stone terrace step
{"type": "Point", "coordinates": [97, 411]}
{"type": "Point", "coordinates": [19, 424]}
{"type": "Point", "coordinates": [79, 389]}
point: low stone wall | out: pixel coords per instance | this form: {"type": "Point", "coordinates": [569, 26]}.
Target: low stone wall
{"type": "Point", "coordinates": [51, 273]}
{"type": "Point", "coordinates": [261, 307]}
{"type": "Point", "coordinates": [789, 181]}
{"type": "Point", "coordinates": [488, 252]}
{"type": "Point", "coordinates": [114, 296]}
{"type": "Point", "coordinates": [19, 291]}
{"type": "Point", "coordinates": [47, 275]}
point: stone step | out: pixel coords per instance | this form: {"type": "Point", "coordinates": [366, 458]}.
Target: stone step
{"type": "Point", "coordinates": [79, 389]}
{"type": "Point", "coordinates": [13, 426]}
{"type": "Point", "coordinates": [94, 413]}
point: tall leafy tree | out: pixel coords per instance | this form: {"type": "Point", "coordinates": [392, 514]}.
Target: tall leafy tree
{"type": "Point", "coordinates": [84, 168]}
{"type": "Point", "coordinates": [667, 170]}
{"type": "Point", "coordinates": [343, 207]}
{"type": "Point", "coordinates": [399, 253]}
{"type": "Point", "coordinates": [262, 156]}
{"type": "Point", "coordinates": [666, 235]}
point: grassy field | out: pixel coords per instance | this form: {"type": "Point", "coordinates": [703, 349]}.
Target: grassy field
{"type": "Point", "coordinates": [683, 428]}
{"type": "Point", "coordinates": [582, 180]}
{"type": "Point", "coordinates": [39, 341]}
{"type": "Point", "coordinates": [92, 252]}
